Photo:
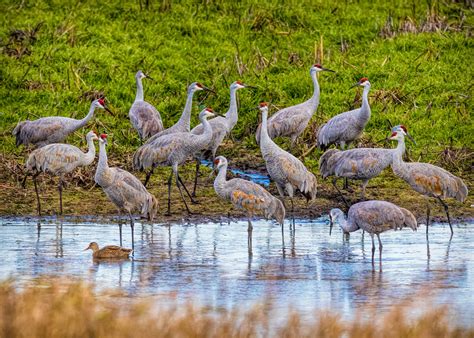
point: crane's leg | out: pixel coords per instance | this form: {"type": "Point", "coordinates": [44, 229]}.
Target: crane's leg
{"type": "Point", "coordinates": [427, 217]}
{"type": "Point", "coordinates": [340, 193]}
{"type": "Point", "coordinates": [60, 189]}
{"type": "Point", "coordinates": [181, 193]}
{"type": "Point", "coordinates": [292, 205]}
{"type": "Point", "coordinates": [120, 227]}
{"type": "Point", "coordinates": [148, 175]}
{"type": "Point", "coordinates": [131, 227]}
{"type": "Point", "coordinates": [446, 209]}
{"type": "Point", "coordinates": [373, 248]}
{"type": "Point", "coordinates": [364, 184]}
{"type": "Point", "coordinates": [380, 248]}
{"type": "Point", "coordinates": [37, 195]}
{"type": "Point", "coordinates": [23, 182]}
{"type": "Point", "coordinates": [168, 213]}
{"type": "Point", "coordinates": [193, 201]}
{"type": "Point", "coordinates": [198, 164]}
{"type": "Point", "coordinates": [249, 240]}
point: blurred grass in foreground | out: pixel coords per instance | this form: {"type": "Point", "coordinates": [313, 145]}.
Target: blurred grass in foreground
{"type": "Point", "coordinates": [71, 309]}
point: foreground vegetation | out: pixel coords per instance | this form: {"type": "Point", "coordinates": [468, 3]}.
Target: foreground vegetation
{"type": "Point", "coordinates": [71, 309]}
{"type": "Point", "coordinates": [57, 56]}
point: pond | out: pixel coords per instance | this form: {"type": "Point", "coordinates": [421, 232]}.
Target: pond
{"type": "Point", "coordinates": [209, 263]}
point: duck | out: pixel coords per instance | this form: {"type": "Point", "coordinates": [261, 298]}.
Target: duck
{"type": "Point", "coordinates": [109, 251]}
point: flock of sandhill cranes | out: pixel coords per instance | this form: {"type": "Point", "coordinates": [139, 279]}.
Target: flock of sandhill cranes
{"type": "Point", "coordinates": [174, 146]}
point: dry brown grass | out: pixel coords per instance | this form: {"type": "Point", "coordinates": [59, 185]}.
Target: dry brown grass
{"type": "Point", "coordinates": [71, 309]}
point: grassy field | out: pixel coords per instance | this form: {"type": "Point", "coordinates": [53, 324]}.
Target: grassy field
{"type": "Point", "coordinates": [51, 309]}
{"type": "Point", "coordinates": [56, 56]}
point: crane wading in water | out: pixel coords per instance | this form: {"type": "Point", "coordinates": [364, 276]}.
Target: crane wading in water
{"type": "Point", "coordinates": [124, 190]}
{"type": "Point", "coordinates": [173, 150]}
{"type": "Point", "coordinates": [182, 126]}
{"type": "Point", "coordinates": [373, 217]}
{"type": "Point", "coordinates": [58, 159]}
{"type": "Point", "coordinates": [355, 164]}
{"type": "Point", "coordinates": [427, 179]}
{"type": "Point", "coordinates": [52, 129]}
{"type": "Point", "coordinates": [221, 127]}
{"type": "Point", "coordinates": [288, 172]}
{"type": "Point", "coordinates": [248, 196]}
{"type": "Point", "coordinates": [292, 121]}
{"type": "Point", "coordinates": [143, 116]}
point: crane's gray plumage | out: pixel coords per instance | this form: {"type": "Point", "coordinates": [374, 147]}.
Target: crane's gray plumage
{"type": "Point", "coordinates": [288, 172]}
{"type": "Point", "coordinates": [143, 116]}
{"type": "Point", "coordinates": [123, 189]}
{"type": "Point", "coordinates": [173, 150]}
{"type": "Point", "coordinates": [221, 127]}
{"type": "Point", "coordinates": [292, 121]}
{"type": "Point", "coordinates": [356, 164]}
{"type": "Point", "coordinates": [374, 217]}
{"type": "Point", "coordinates": [344, 128]}
{"type": "Point", "coordinates": [52, 129]}
{"type": "Point", "coordinates": [425, 178]}
{"type": "Point", "coordinates": [248, 196]}
{"type": "Point", "coordinates": [58, 159]}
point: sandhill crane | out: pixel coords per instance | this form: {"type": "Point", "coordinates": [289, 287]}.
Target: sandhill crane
{"type": "Point", "coordinates": [292, 121]}
{"type": "Point", "coordinates": [248, 196]}
{"type": "Point", "coordinates": [53, 129]}
{"type": "Point", "coordinates": [356, 164]}
{"type": "Point", "coordinates": [221, 127]}
{"type": "Point", "coordinates": [427, 179]}
{"type": "Point", "coordinates": [182, 126]}
{"type": "Point", "coordinates": [173, 150]}
{"type": "Point", "coordinates": [109, 251]}
{"type": "Point", "coordinates": [344, 128]}
{"type": "Point", "coordinates": [285, 170]}
{"type": "Point", "coordinates": [143, 116]}
{"type": "Point", "coordinates": [123, 189]}
{"type": "Point", "coordinates": [374, 217]}
{"type": "Point", "coordinates": [58, 159]}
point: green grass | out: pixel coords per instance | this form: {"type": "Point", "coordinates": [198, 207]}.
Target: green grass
{"type": "Point", "coordinates": [84, 46]}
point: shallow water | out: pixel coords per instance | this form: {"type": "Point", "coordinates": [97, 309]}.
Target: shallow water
{"type": "Point", "coordinates": [209, 263]}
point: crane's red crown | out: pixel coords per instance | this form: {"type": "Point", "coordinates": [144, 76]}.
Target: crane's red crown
{"type": "Point", "coordinates": [363, 80]}
{"type": "Point", "coordinates": [239, 82]}
{"type": "Point", "coordinates": [263, 104]}
{"type": "Point", "coordinates": [216, 161]}
{"type": "Point", "coordinates": [318, 65]}
{"type": "Point", "coordinates": [209, 109]}
{"type": "Point", "coordinates": [103, 136]}
{"type": "Point", "coordinates": [199, 85]}
{"type": "Point", "coordinates": [94, 132]}
{"type": "Point", "coordinates": [102, 102]}
{"type": "Point", "coordinates": [404, 128]}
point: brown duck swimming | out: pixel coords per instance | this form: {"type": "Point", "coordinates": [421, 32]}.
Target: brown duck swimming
{"type": "Point", "coordinates": [109, 251]}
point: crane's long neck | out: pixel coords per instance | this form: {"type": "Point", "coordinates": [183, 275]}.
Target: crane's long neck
{"type": "Point", "coordinates": [185, 119]}
{"type": "Point", "coordinates": [316, 91]}
{"type": "Point", "coordinates": [347, 225]}
{"type": "Point", "coordinates": [90, 155]}
{"type": "Point", "coordinates": [220, 181]}
{"type": "Point", "coordinates": [103, 162]}
{"type": "Point", "coordinates": [232, 115]}
{"type": "Point", "coordinates": [398, 164]}
{"type": "Point", "coordinates": [81, 123]}
{"type": "Point", "coordinates": [202, 140]}
{"type": "Point", "coordinates": [139, 96]}
{"type": "Point", "coordinates": [103, 175]}
{"type": "Point", "coordinates": [266, 143]}
{"type": "Point", "coordinates": [365, 108]}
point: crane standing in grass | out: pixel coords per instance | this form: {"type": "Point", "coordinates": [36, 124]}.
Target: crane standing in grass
{"type": "Point", "coordinates": [288, 172]}
{"type": "Point", "coordinates": [374, 217]}
{"type": "Point", "coordinates": [248, 196]}
{"type": "Point", "coordinates": [143, 116]}
{"type": "Point", "coordinates": [123, 189]}
{"type": "Point", "coordinates": [427, 179]}
{"type": "Point", "coordinates": [221, 127]}
{"type": "Point", "coordinates": [52, 129]}
{"type": "Point", "coordinates": [173, 150]}
{"type": "Point", "coordinates": [58, 159]}
{"type": "Point", "coordinates": [345, 128]}
{"type": "Point", "coordinates": [356, 164]}
{"type": "Point", "coordinates": [292, 121]}
{"type": "Point", "coordinates": [182, 126]}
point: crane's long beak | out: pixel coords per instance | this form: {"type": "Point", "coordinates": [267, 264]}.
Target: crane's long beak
{"type": "Point", "coordinates": [355, 85]}
{"type": "Point", "coordinates": [411, 138]}
{"type": "Point", "coordinates": [149, 77]}
{"type": "Point", "coordinates": [209, 90]}
{"type": "Point", "coordinates": [248, 86]}
{"type": "Point", "coordinates": [327, 70]}
{"type": "Point", "coordinates": [108, 110]}
{"type": "Point", "coordinates": [331, 224]}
